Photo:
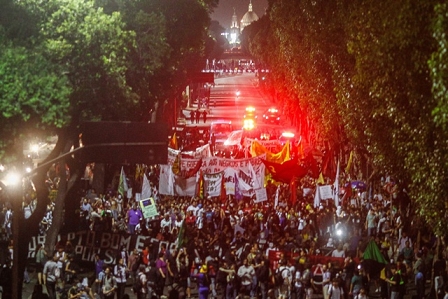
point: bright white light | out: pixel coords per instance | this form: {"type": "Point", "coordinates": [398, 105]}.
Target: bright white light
{"type": "Point", "coordinates": [288, 134]}
{"type": "Point", "coordinates": [238, 93]}
{"type": "Point", "coordinates": [28, 169]}
{"type": "Point", "coordinates": [35, 148]}
{"type": "Point", "coordinates": [13, 179]}
{"type": "Point", "coordinates": [339, 232]}
{"type": "Point", "coordinates": [2, 167]}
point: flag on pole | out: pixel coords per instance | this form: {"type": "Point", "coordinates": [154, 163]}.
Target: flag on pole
{"type": "Point", "coordinates": [317, 197]}
{"type": "Point", "coordinates": [374, 258]}
{"type": "Point", "coordinates": [146, 188]}
{"type": "Point", "coordinates": [336, 188]}
{"type": "Point", "coordinates": [277, 195]}
{"type": "Point", "coordinates": [256, 183]}
{"type": "Point", "coordinates": [200, 185]}
{"type": "Point", "coordinates": [122, 185]}
{"type": "Point", "coordinates": [349, 163]}
{"type": "Point", "coordinates": [182, 239]}
{"type": "Point", "coordinates": [176, 165]}
{"type": "Point", "coordinates": [173, 142]}
{"type": "Point", "coordinates": [321, 179]}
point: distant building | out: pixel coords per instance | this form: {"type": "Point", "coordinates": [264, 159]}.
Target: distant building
{"type": "Point", "coordinates": [234, 37]}
{"type": "Point", "coordinates": [237, 27]}
{"type": "Point", "coordinates": [249, 17]}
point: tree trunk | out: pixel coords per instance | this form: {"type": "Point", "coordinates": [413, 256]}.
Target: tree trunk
{"type": "Point", "coordinates": [58, 212]}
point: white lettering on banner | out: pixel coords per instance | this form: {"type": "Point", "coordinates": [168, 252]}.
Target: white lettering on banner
{"type": "Point", "coordinates": [170, 184]}
{"type": "Point", "coordinates": [201, 152]}
{"type": "Point", "coordinates": [108, 245]}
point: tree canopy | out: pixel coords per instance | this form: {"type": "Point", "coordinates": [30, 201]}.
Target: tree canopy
{"type": "Point", "coordinates": [371, 75]}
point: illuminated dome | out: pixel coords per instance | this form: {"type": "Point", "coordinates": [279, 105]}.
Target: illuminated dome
{"type": "Point", "coordinates": [249, 17]}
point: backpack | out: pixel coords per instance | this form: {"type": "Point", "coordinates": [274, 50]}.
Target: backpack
{"type": "Point", "coordinates": [278, 278]}
{"type": "Point", "coordinates": [137, 286]}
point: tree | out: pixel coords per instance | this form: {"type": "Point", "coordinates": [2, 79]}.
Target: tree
{"type": "Point", "coordinates": [368, 62]}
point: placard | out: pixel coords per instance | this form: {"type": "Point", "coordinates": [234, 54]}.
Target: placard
{"type": "Point", "coordinates": [148, 207]}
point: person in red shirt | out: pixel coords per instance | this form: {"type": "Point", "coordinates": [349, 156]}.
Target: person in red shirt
{"type": "Point", "coordinates": [190, 220]}
{"type": "Point", "coordinates": [145, 255]}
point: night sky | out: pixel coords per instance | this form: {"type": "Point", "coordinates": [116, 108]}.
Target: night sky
{"type": "Point", "coordinates": [224, 12]}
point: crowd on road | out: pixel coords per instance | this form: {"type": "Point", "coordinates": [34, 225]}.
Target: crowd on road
{"type": "Point", "coordinates": [225, 248]}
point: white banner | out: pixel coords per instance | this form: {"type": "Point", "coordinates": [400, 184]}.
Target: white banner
{"type": "Point", "coordinates": [217, 164]}
{"type": "Point", "coordinates": [229, 180]}
{"type": "Point", "coordinates": [166, 180]}
{"type": "Point", "coordinates": [212, 184]}
{"type": "Point", "coordinates": [200, 152]}
{"type": "Point", "coordinates": [184, 187]}
{"type": "Point", "coordinates": [260, 195]}
{"type": "Point", "coordinates": [248, 171]}
{"type": "Point", "coordinates": [325, 192]}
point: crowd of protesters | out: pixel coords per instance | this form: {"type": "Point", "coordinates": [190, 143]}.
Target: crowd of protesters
{"type": "Point", "coordinates": [226, 246]}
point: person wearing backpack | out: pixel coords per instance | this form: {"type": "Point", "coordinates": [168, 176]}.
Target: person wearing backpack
{"type": "Point", "coordinates": [335, 291]}
{"type": "Point", "coordinates": [283, 280]}
{"type": "Point", "coordinates": [139, 287]}
{"type": "Point", "coordinates": [308, 282]}
{"type": "Point", "coordinates": [108, 284]}
{"type": "Point", "coordinates": [50, 276]}
{"type": "Point", "coordinates": [120, 273]}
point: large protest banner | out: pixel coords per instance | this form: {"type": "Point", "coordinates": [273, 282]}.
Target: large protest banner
{"type": "Point", "coordinates": [249, 171]}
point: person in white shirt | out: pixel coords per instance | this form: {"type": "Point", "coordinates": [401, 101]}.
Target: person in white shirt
{"type": "Point", "coordinates": [284, 289]}
{"type": "Point", "coordinates": [338, 252]}
{"type": "Point", "coordinates": [165, 222]}
{"type": "Point", "coordinates": [326, 281]}
{"type": "Point", "coordinates": [335, 291]}
{"type": "Point", "coordinates": [194, 208]}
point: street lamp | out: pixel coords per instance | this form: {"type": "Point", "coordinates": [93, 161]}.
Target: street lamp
{"type": "Point", "coordinates": [13, 181]}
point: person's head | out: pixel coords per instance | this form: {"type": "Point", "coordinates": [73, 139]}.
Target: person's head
{"type": "Point", "coordinates": [245, 262]}
{"type": "Point", "coordinates": [203, 269]}
{"type": "Point", "coordinates": [393, 269]}
{"type": "Point", "coordinates": [107, 271]}
{"type": "Point", "coordinates": [142, 268]}
{"type": "Point", "coordinates": [335, 282]}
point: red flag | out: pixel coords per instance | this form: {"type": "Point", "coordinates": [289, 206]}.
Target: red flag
{"type": "Point", "coordinates": [173, 142]}
{"type": "Point", "coordinates": [193, 170]}
{"type": "Point", "coordinates": [285, 171]}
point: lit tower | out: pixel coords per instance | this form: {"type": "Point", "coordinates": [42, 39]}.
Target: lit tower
{"type": "Point", "coordinates": [234, 30]}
